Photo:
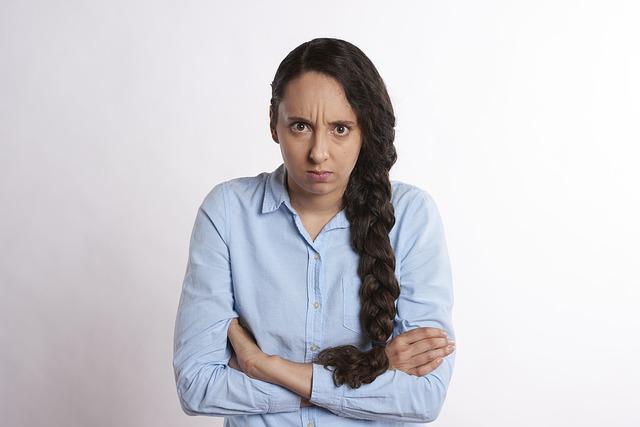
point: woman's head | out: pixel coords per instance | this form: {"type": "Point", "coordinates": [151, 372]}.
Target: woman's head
{"type": "Point", "coordinates": [329, 80]}
{"type": "Point", "coordinates": [317, 131]}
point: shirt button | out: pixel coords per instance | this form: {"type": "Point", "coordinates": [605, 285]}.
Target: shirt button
{"type": "Point", "coordinates": [314, 347]}
{"type": "Point", "coordinates": [316, 304]}
{"type": "Point", "coordinates": [317, 256]}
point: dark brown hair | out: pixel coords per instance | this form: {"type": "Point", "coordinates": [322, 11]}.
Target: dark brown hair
{"type": "Point", "coordinates": [366, 200]}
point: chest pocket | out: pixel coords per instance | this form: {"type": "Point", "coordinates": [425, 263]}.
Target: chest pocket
{"type": "Point", "coordinates": [351, 303]}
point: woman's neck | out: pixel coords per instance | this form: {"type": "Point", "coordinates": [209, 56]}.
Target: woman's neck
{"type": "Point", "coordinates": [326, 205]}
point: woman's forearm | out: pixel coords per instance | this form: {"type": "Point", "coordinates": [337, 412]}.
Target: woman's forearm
{"type": "Point", "coordinates": [250, 359]}
{"type": "Point", "coordinates": [295, 376]}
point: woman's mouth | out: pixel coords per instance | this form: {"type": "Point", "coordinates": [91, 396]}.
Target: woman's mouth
{"type": "Point", "coordinates": [321, 176]}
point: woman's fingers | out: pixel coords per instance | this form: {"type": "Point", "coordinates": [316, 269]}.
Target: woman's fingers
{"type": "Point", "coordinates": [420, 357]}
{"type": "Point", "coordinates": [399, 353]}
{"type": "Point", "coordinates": [430, 356]}
{"type": "Point", "coordinates": [425, 369]}
{"type": "Point", "coordinates": [420, 333]}
{"type": "Point", "coordinates": [426, 344]}
{"type": "Point", "coordinates": [419, 350]}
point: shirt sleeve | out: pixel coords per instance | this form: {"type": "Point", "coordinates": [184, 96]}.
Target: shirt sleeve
{"type": "Point", "coordinates": [206, 385]}
{"type": "Point", "coordinates": [426, 299]}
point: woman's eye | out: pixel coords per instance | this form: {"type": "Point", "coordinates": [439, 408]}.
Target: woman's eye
{"type": "Point", "coordinates": [343, 130]}
{"type": "Point", "coordinates": [296, 127]}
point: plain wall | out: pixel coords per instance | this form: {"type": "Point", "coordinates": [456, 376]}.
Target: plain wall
{"type": "Point", "coordinates": [520, 118]}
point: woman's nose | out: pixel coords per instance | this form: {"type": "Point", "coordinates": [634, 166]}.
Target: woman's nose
{"type": "Point", "coordinates": [319, 148]}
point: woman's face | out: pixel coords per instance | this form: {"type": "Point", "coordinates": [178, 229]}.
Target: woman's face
{"type": "Point", "coordinates": [317, 131]}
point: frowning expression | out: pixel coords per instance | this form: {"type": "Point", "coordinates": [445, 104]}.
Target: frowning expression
{"type": "Point", "coordinates": [317, 130]}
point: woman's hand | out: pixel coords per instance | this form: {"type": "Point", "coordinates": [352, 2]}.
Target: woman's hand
{"type": "Point", "coordinates": [418, 351]}
{"type": "Point", "coordinates": [246, 355]}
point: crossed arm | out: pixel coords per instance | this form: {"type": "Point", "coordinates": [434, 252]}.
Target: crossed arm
{"type": "Point", "coordinates": [417, 352]}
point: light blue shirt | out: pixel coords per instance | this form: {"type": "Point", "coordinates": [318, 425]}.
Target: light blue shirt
{"type": "Point", "coordinates": [250, 256]}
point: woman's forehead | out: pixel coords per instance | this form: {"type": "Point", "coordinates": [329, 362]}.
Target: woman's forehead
{"type": "Point", "coordinates": [308, 99]}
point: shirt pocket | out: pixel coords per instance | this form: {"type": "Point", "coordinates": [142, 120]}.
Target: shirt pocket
{"type": "Point", "coordinates": [351, 303]}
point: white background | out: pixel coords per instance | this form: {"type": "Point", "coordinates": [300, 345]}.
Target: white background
{"type": "Point", "coordinates": [519, 117]}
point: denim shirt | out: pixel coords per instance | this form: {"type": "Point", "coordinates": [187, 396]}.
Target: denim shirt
{"type": "Point", "coordinates": [250, 256]}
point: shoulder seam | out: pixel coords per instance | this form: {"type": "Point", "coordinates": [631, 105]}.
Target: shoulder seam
{"type": "Point", "coordinates": [226, 211]}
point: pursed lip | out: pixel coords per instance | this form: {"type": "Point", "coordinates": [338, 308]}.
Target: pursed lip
{"type": "Point", "coordinates": [319, 172]}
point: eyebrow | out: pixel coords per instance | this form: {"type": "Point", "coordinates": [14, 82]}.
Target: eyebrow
{"type": "Point", "coordinates": [337, 122]}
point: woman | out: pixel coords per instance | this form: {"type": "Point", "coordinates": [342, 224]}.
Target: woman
{"type": "Point", "coordinates": [298, 278]}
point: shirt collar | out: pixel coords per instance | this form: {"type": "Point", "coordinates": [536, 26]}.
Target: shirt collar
{"type": "Point", "coordinates": [275, 194]}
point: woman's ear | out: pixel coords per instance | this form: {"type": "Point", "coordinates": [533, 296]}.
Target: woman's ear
{"type": "Point", "coordinates": [274, 133]}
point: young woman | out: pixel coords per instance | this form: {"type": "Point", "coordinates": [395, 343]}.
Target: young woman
{"type": "Point", "coordinates": [318, 294]}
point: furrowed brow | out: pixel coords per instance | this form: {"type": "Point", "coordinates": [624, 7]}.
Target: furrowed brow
{"type": "Point", "coordinates": [336, 122]}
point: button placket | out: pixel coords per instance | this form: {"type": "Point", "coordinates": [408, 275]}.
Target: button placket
{"type": "Point", "coordinates": [316, 314]}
